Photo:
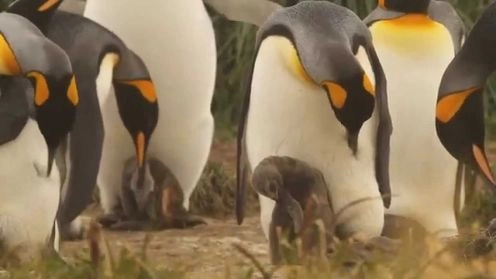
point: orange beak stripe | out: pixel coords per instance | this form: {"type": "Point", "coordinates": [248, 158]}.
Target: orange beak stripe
{"type": "Point", "coordinates": [448, 106]}
{"type": "Point", "coordinates": [140, 148]}
{"type": "Point", "coordinates": [381, 3]}
{"type": "Point", "coordinates": [41, 91]}
{"type": "Point", "coordinates": [368, 85]}
{"type": "Point", "coordinates": [482, 162]}
{"type": "Point", "coordinates": [337, 94]}
{"type": "Point", "coordinates": [47, 5]}
{"type": "Point", "coordinates": [145, 87]}
{"type": "Point", "coordinates": [72, 92]}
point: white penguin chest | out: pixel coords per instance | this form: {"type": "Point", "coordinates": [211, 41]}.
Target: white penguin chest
{"type": "Point", "coordinates": [414, 55]}
{"type": "Point", "coordinates": [29, 202]}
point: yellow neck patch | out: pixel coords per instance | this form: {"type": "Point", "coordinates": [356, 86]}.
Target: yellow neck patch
{"type": "Point", "coordinates": [8, 61]}
{"type": "Point", "coordinates": [72, 92]}
{"type": "Point", "coordinates": [412, 33]}
{"type": "Point", "coordinates": [290, 56]}
{"type": "Point", "coordinates": [47, 5]}
{"type": "Point", "coordinates": [145, 87]}
{"type": "Point", "coordinates": [41, 91]}
{"type": "Point", "coordinates": [448, 106]}
{"type": "Point", "coordinates": [337, 94]}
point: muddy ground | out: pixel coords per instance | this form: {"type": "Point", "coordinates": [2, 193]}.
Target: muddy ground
{"type": "Point", "coordinates": [204, 251]}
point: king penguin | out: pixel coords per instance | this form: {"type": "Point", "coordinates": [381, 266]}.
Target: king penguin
{"type": "Point", "coordinates": [99, 59]}
{"type": "Point", "coordinates": [460, 109]}
{"type": "Point", "coordinates": [309, 98]}
{"type": "Point", "coordinates": [176, 41]}
{"type": "Point", "coordinates": [415, 41]}
{"type": "Point", "coordinates": [35, 116]}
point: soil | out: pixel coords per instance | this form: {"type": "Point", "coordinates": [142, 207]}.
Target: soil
{"type": "Point", "coordinates": [202, 252]}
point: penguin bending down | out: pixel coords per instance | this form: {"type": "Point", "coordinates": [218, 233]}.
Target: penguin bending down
{"type": "Point", "coordinates": [309, 98]}
{"type": "Point", "coordinates": [459, 110]}
{"type": "Point", "coordinates": [157, 204]}
{"type": "Point", "coordinates": [99, 60]}
{"type": "Point", "coordinates": [176, 41]}
{"type": "Point", "coordinates": [301, 197]}
{"type": "Point", "coordinates": [415, 48]}
{"type": "Point", "coordinates": [30, 188]}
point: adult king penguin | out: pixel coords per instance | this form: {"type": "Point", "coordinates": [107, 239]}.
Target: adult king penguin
{"type": "Point", "coordinates": [460, 111]}
{"type": "Point", "coordinates": [176, 41]}
{"type": "Point", "coordinates": [309, 98]}
{"type": "Point", "coordinates": [30, 190]}
{"type": "Point", "coordinates": [415, 42]}
{"type": "Point", "coordinates": [99, 59]}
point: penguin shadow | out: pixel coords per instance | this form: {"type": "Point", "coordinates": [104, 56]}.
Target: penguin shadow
{"type": "Point", "coordinates": [304, 225]}
{"type": "Point", "coordinates": [155, 204]}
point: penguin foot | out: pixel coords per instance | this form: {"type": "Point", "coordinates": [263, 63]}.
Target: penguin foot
{"type": "Point", "coordinates": [75, 230]}
{"type": "Point", "coordinates": [130, 225]}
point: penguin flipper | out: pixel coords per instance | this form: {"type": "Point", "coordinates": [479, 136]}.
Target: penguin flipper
{"type": "Point", "coordinates": [250, 11]}
{"type": "Point", "coordinates": [384, 129]}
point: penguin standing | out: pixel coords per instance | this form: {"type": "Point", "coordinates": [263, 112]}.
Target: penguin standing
{"type": "Point", "coordinates": [460, 109]}
{"type": "Point", "coordinates": [99, 59]}
{"type": "Point", "coordinates": [414, 48]}
{"type": "Point", "coordinates": [309, 98]}
{"type": "Point", "coordinates": [30, 187]}
{"type": "Point", "coordinates": [176, 41]}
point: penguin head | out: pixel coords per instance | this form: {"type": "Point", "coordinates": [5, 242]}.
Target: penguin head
{"type": "Point", "coordinates": [55, 100]}
{"type": "Point", "coordinates": [460, 107]}
{"type": "Point", "coordinates": [143, 192]}
{"type": "Point", "coordinates": [405, 6]}
{"type": "Point", "coordinates": [138, 108]}
{"type": "Point", "coordinates": [37, 11]}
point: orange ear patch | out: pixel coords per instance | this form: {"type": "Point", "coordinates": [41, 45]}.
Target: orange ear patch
{"type": "Point", "coordinates": [145, 87]}
{"type": "Point", "coordinates": [72, 92]}
{"type": "Point", "coordinates": [368, 85]}
{"type": "Point", "coordinates": [47, 5]}
{"type": "Point", "coordinates": [8, 60]}
{"type": "Point", "coordinates": [337, 94]}
{"type": "Point", "coordinates": [140, 148]}
{"type": "Point", "coordinates": [41, 91]}
{"type": "Point", "coordinates": [448, 106]}
{"type": "Point", "coordinates": [482, 162]}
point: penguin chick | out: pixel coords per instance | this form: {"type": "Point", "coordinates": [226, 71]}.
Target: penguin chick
{"type": "Point", "coordinates": [156, 204]}
{"type": "Point", "coordinates": [301, 197]}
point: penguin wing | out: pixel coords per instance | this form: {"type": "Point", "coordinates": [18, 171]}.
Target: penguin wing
{"type": "Point", "coordinates": [250, 11]}
{"type": "Point", "coordinates": [385, 127]}
{"type": "Point", "coordinates": [445, 13]}
{"type": "Point", "coordinates": [15, 108]}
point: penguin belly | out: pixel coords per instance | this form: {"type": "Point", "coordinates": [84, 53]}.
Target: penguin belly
{"type": "Point", "coordinates": [290, 117]}
{"type": "Point", "coordinates": [414, 56]}
{"type": "Point", "coordinates": [176, 41]}
{"type": "Point", "coordinates": [30, 202]}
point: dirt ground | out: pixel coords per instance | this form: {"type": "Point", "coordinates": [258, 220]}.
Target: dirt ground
{"type": "Point", "coordinates": [204, 251]}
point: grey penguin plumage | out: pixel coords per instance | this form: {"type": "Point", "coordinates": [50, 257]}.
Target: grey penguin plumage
{"type": "Point", "coordinates": [135, 95]}
{"type": "Point", "coordinates": [301, 197]}
{"type": "Point", "coordinates": [318, 43]}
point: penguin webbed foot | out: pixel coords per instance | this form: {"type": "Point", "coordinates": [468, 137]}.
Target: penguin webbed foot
{"type": "Point", "coordinates": [186, 220]}
{"type": "Point", "coordinates": [109, 219]}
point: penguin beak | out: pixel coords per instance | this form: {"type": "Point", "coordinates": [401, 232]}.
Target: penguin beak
{"type": "Point", "coordinates": [460, 128]}
{"type": "Point", "coordinates": [141, 145]}
{"type": "Point", "coordinates": [55, 101]}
